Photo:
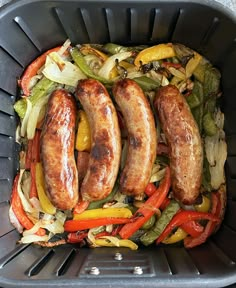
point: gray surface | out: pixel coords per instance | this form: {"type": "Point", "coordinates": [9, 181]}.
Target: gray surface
{"type": "Point", "coordinates": [228, 3]}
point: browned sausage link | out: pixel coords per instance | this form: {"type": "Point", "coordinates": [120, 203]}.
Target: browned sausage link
{"type": "Point", "coordinates": [106, 142]}
{"type": "Point", "coordinates": [182, 135]}
{"type": "Point", "coordinates": [57, 150]}
{"type": "Point", "coordinates": [82, 164]}
{"type": "Point", "coordinates": [141, 134]}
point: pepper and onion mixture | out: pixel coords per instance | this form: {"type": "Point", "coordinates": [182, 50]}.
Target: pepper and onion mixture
{"type": "Point", "coordinates": [120, 220]}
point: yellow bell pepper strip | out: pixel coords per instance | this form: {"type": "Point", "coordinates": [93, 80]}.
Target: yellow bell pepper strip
{"type": "Point", "coordinates": [148, 209]}
{"type": "Point", "coordinates": [87, 49]}
{"type": "Point", "coordinates": [190, 242]}
{"type": "Point", "coordinates": [43, 198]}
{"type": "Point", "coordinates": [83, 138]}
{"type": "Point", "coordinates": [192, 64]}
{"type": "Point", "coordinates": [76, 225]}
{"type": "Point", "coordinates": [103, 213]}
{"type": "Point", "coordinates": [204, 206]}
{"type": "Point", "coordinates": [179, 235]}
{"type": "Point", "coordinates": [108, 241]}
{"type": "Point", "coordinates": [154, 53]}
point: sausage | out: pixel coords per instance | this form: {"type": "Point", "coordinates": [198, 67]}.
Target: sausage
{"type": "Point", "coordinates": [142, 136]}
{"type": "Point", "coordinates": [82, 164]}
{"type": "Point", "coordinates": [185, 145]}
{"type": "Point", "coordinates": [57, 150]}
{"type": "Point", "coordinates": [105, 151]}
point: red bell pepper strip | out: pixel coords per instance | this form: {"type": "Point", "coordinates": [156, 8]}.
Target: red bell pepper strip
{"type": "Point", "coordinates": [190, 242]}
{"type": "Point", "coordinates": [33, 150]}
{"type": "Point", "coordinates": [32, 70]}
{"type": "Point", "coordinates": [152, 202]}
{"type": "Point", "coordinates": [76, 237]}
{"type": "Point", "coordinates": [81, 207]}
{"type": "Point", "coordinates": [28, 155]}
{"type": "Point", "coordinates": [150, 189]}
{"type": "Point", "coordinates": [36, 147]}
{"type": "Point", "coordinates": [76, 225]}
{"type": "Point", "coordinates": [19, 211]}
{"type": "Point", "coordinates": [33, 188]}
{"type": "Point", "coordinates": [116, 230]}
{"type": "Point", "coordinates": [193, 228]}
{"type": "Point", "coordinates": [165, 203]}
{"type": "Point", "coordinates": [185, 216]}
{"type": "Point", "coordinates": [101, 234]}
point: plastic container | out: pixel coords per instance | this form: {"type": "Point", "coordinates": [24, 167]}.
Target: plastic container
{"type": "Point", "coordinates": [27, 28]}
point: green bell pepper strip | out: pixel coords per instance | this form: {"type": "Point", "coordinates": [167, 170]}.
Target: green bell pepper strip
{"type": "Point", "coordinates": [81, 63]}
{"type": "Point", "coordinates": [185, 216]}
{"type": "Point", "coordinates": [41, 89]}
{"type": "Point", "coordinates": [99, 203]}
{"type": "Point", "coordinates": [147, 84]}
{"type": "Point", "coordinates": [209, 125]}
{"type": "Point", "coordinates": [112, 48]}
{"type": "Point", "coordinates": [195, 101]}
{"type": "Point", "coordinates": [150, 236]}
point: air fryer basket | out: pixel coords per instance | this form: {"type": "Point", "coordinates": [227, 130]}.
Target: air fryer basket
{"type": "Point", "coordinates": [27, 28]}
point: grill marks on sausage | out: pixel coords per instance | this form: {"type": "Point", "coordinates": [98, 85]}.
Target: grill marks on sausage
{"type": "Point", "coordinates": [135, 141]}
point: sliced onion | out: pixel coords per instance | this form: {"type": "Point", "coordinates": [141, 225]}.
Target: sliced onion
{"type": "Point", "coordinates": [34, 116]}
{"type": "Point", "coordinates": [25, 203]}
{"type": "Point", "coordinates": [14, 221]}
{"type": "Point", "coordinates": [155, 168]}
{"type": "Point", "coordinates": [58, 70]}
{"type": "Point", "coordinates": [114, 240]}
{"type": "Point", "coordinates": [64, 47]}
{"type": "Point", "coordinates": [33, 230]}
{"type": "Point", "coordinates": [216, 152]}
{"type": "Point", "coordinates": [26, 184]}
{"type": "Point", "coordinates": [110, 63]}
{"type": "Point", "coordinates": [34, 238]}
{"type": "Point", "coordinates": [134, 74]}
{"type": "Point", "coordinates": [109, 228]}
{"type": "Point", "coordinates": [34, 80]}
{"type": "Point", "coordinates": [158, 176]}
{"type": "Point", "coordinates": [177, 73]}
{"type": "Point", "coordinates": [36, 204]}
{"type": "Point", "coordinates": [26, 117]}
{"type": "Point", "coordinates": [17, 135]}
{"type": "Point", "coordinates": [92, 232]}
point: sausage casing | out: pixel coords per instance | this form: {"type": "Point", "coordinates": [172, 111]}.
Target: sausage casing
{"type": "Point", "coordinates": [57, 150]}
{"type": "Point", "coordinates": [184, 140]}
{"type": "Point", "coordinates": [105, 151]}
{"type": "Point", "coordinates": [142, 136]}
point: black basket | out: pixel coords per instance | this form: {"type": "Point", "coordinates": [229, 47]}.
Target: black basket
{"type": "Point", "coordinates": [27, 28]}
